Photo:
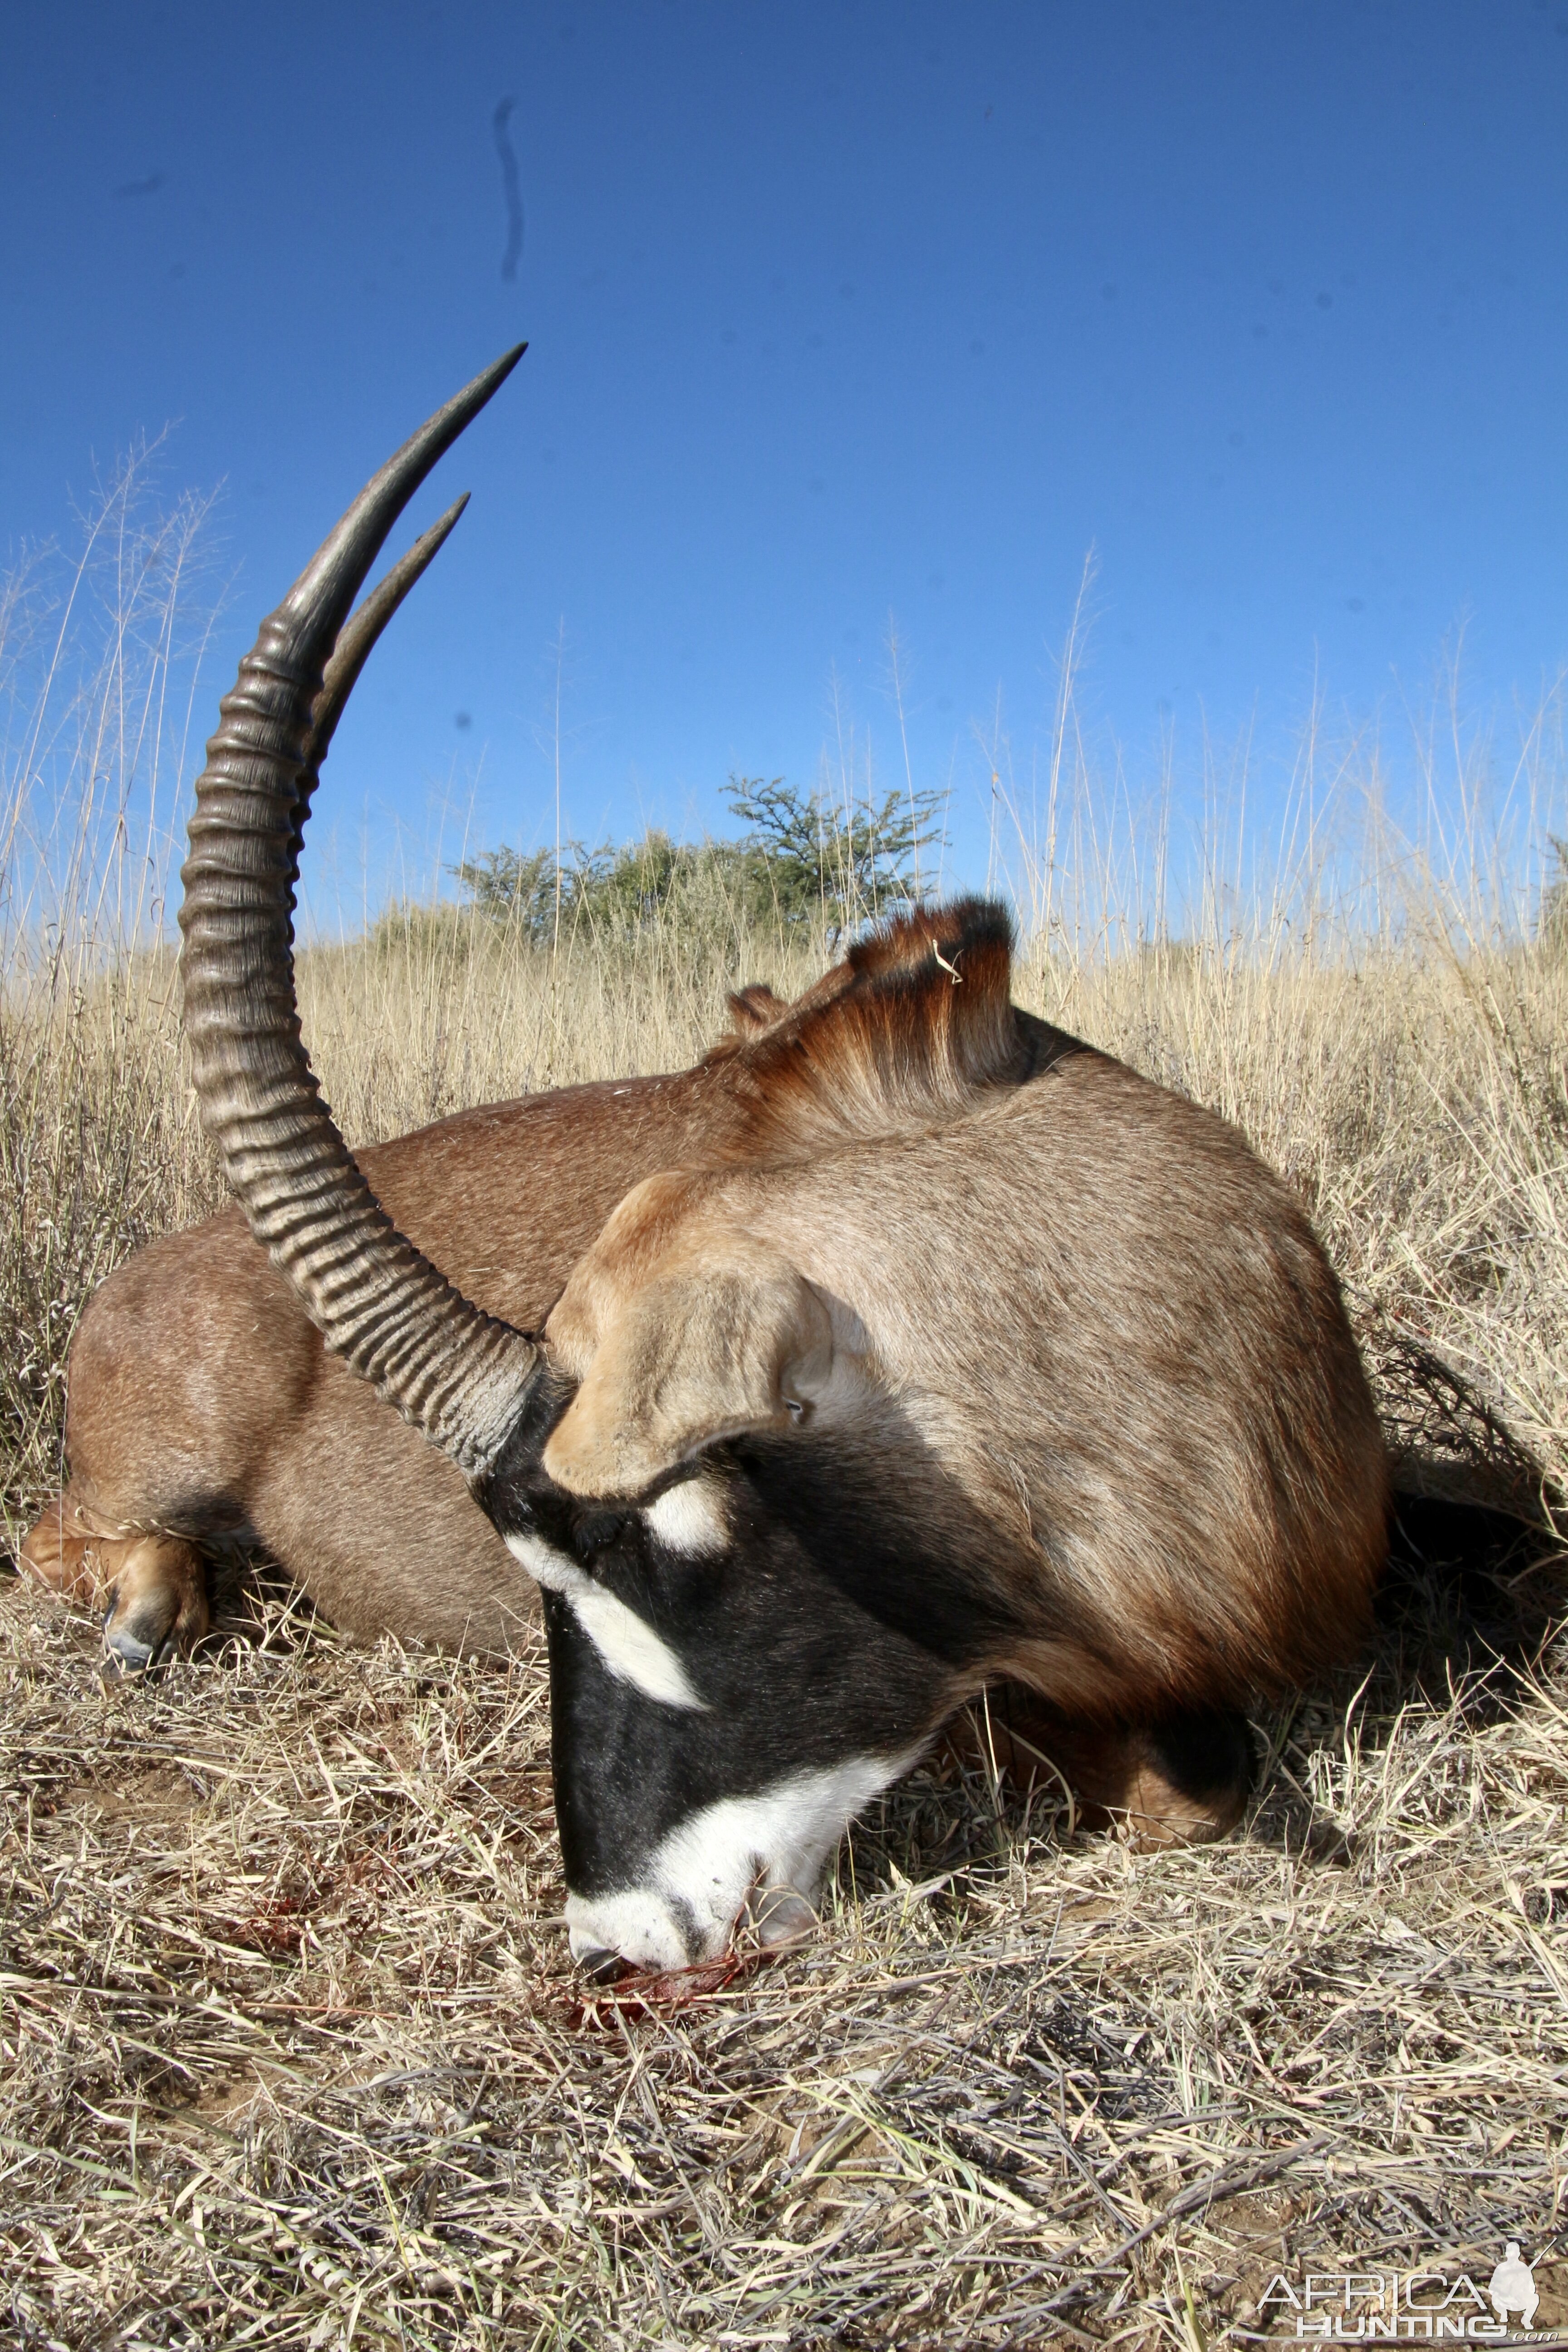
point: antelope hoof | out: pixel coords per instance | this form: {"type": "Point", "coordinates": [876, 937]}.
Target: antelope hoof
{"type": "Point", "coordinates": [157, 1603]}
{"type": "Point", "coordinates": [60, 1554]}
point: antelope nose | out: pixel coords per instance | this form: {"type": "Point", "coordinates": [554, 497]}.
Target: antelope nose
{"type": "Point", "coordinates": [602, 1966]}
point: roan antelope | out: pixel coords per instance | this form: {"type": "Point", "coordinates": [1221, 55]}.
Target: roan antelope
{"type": "Point", "coordinates": [902, 1346]}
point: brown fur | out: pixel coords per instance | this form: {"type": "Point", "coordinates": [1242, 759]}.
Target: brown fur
{"type": "Point", "coordinates": [1075, 1328]}
{"type": "Point", "coordinates": [913, 1028]}
{"type": "Point", "coordinates": [1136, 1412]}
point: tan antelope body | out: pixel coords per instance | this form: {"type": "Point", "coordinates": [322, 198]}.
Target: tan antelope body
{"type": "Point", "coordinates": [902, 1346]}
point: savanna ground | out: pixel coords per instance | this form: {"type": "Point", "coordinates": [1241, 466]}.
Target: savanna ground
{"type": "Point", "coordinates": [293, 2054]}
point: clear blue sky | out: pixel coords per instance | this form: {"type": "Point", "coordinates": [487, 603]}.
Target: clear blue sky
{"type": "Point", "coordinates": [837, 311]}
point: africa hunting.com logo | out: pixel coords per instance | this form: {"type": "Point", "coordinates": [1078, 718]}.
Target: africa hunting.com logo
{"type": "Point", "coordinates": [1422, 2306]}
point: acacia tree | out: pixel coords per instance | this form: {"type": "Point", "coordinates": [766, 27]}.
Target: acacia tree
{"type": "Point", "coordinates": [856, 858]}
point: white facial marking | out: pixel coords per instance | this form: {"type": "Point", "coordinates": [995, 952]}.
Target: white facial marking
{"type": "Point", "coordinates": [627, 1642]}
{"type": "Point", "coordinates": [636, 1926]}
{"type": "Point", "coordinates": [690, 1519]}
{"type": "Point", "coordinates": [701, 1876]}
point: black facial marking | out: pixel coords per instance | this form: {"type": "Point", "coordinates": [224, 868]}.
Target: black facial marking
{"type": "Point", "coordinates": [815, 1636]}
{"type": "Point", "coordinates": [599, 1531]}
{"type": "Point", "coordinates": [832, 1624]}
{"type": "Point", "coordinates": [858, 1528]}
{"type": "Point", "coordinates": [505, 1494]}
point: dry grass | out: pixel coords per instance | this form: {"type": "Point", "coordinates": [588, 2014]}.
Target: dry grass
{"type": "Point", "coordinates": [295, 2056]}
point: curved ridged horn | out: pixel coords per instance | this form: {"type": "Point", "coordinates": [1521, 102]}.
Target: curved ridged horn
{"type": "Point", "coordinates": [350, 653]}
{"type": "Point", "coordinates": [457, 1374]}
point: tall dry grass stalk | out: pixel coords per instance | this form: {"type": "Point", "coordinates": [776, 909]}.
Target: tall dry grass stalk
{"type": "Point", "coordinates": [99, 671]}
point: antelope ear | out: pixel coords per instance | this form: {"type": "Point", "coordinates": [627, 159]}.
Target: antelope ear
{"type": "Point", "coordinates": [692, 1355]}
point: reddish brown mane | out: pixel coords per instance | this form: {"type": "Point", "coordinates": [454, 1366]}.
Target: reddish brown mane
{"type": "Point", "coordinates": [914, 1026]}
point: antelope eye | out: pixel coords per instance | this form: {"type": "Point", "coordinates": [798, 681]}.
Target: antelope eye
{"type": "Point", "coordinates": [595, 1533]}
